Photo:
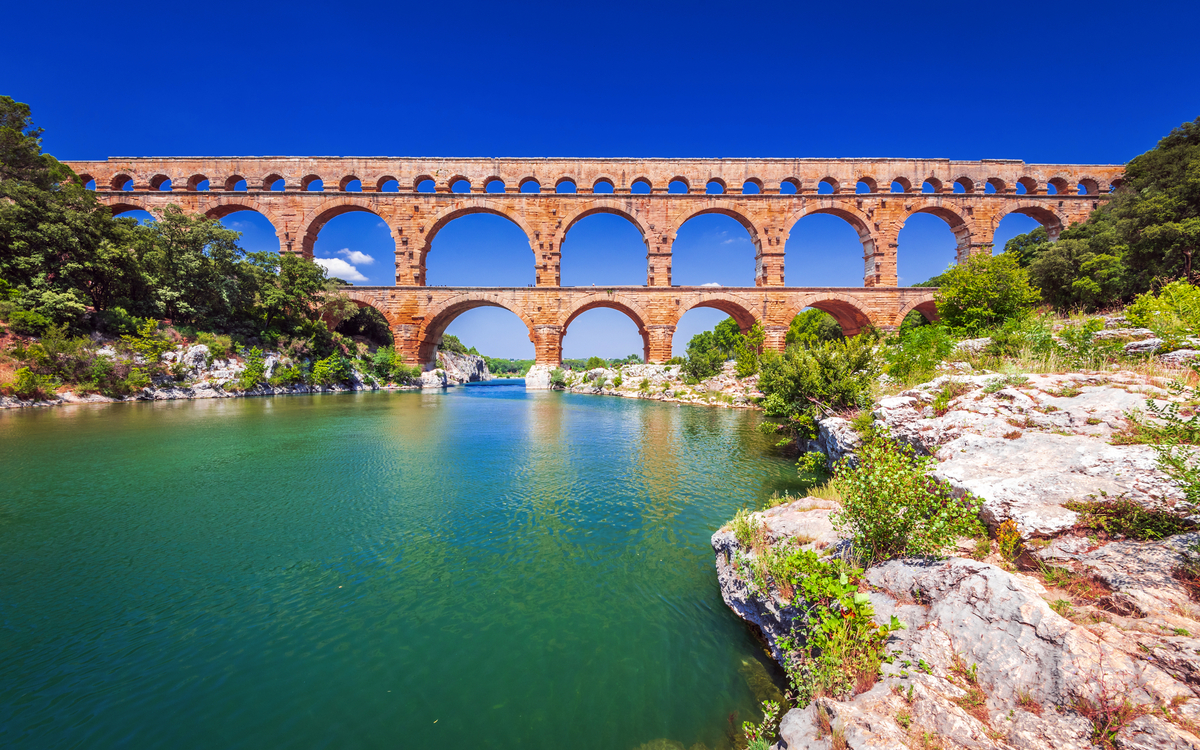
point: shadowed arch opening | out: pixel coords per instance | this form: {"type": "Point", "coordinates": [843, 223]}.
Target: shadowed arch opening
{"type": "Point", "coordinates": [161, 183]}
{"type": "Point", "coordinates": [236, 184]}
{"type": "Point", "coordinates": [122, 182]}
{"type": "Point", "coordinates": [529, 185]}
{"type": "Point", "coordinates": [387, 184]}
{"type": "Point", "coordinates": [964, 185]}
{"type": "Point", "coordinates": [312, 184]}
{"type": "Point", "coordinates": [477, 246]}
{"type": "Point", "coordinates": [852, 319]}
{"type": "Point", "coordinates": [866, 185]}
{"type": "Point", "coordinates": [1058, 186]}
{"type": "Point", "coordinates": [929, 242]}
{"type": "Point", "coordinates": [605, 328]}
{"type": "Point", "coordinates": [677, 186]}
{"type": "Point", "coordinates": [901, 185]}
{"type": "Point", "coordinates": [827, 186]}
{"type": "Point", "coordinates": [1027, 186]}
{"type": "Point", "coordinates": [493, 185]}
{"type": "Point", "coordinates": [826, 247]}
{"type": "Point", "coordinates": [715, 186]}
{"type": "Point", "coordinates": [931, 185]}
{"type": "Point", "coordinates": [495, 330]}
{"type": "Point", "coordinates": [995, 185]}
{"type": "Point", "coordinates": [789, 186]}
{"type": "Point", "coordinates": [715, 246]}
{"type": "Point", "coordinates": [1041, 215]}
{"type": "Point", "coordinates": [197, 183]}
{"type": "Point", "coordinates": [603, 247]}
{"type": "Point", "coordinates": [640, 186]}
{"type": "Point", "coordinates": [752, 186]}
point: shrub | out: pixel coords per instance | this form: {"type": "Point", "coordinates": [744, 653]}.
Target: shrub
{"type": "Point", "coordinates": [28, 384]}
{"type": "Point", "coordinates": [285, 375]}
{"type": "Point", "coordinates": [599, 381]}
{"type": "Point", "coordinates": [833, 375]}
{"type": "Point", "coordinates": [982, 292]}
{"type": "Point", "coordinates": [617, 381]}
{"type": "Point", "coordinates": [450, 343]}
{"type": "Point", "coordinates": [1119, 517]}
{"type": "Point", "coordinates": [594, 363]}
{"type": "Point", "coordinates": [1172, 313]}
{"type": "Point", "coordinates": [136, 380]}
{"type": "Point", "coordinates": [891, 507]}
{"type": "Point", "coordinates": [255, 370]}
{"type": "Point", "coordinates": [332, 370]}
{"type": "Point", "coordinates": [813, 326]}
{"type": "Point", "coordinates": [558, 378]}
{"type": "Point", "coordinates": [219, 345]}
{"type": "Point", "coordinates": [915, 355]}
{"type": "Point", "coordinates": [148, 344]}
{"type": "Point", "coordinates": [27, 323]}
{"type": "Point", "coordinates": [117, 320]}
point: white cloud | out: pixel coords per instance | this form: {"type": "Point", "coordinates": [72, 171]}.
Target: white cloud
{"type": "Point", "coordinates": [355, 257]}
{"type": "Point", "coordinates": [711, 283]}
{"type": "Point", "coordinates": [339, 268]}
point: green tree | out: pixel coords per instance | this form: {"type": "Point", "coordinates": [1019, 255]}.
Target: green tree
{"type": "Point", "coordinates": [1027, 247]}
{"type": "Point", "coordinates": [982, 292]}
{"type": "Point", "coordinates": [812, 326]}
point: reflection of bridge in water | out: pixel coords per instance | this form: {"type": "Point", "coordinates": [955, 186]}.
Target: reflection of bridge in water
{"type": "Point", "coordinates": [417, 197]}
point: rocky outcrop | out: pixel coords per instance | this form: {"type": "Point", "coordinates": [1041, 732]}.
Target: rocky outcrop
{"type": "Point", "coordinates": [666, 383]}
{"type": "Point", "coordinates": [460, 368]}
{"type": "Point", "coordinates": [985, 661]}
{"type": "Point", "coordinates": [1028, 444]}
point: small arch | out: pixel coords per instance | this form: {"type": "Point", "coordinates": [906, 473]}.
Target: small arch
{"type": "Point", "coordinates": [640, 186]}
{"type": "Point", "coordinates": [1058, 186]}
{"type": "Point", "coordinates": [1088, 186]}
{"type": "Point", "coordinates": [752, 186]}
{"type": "Point", "coordinates": [387, 184]}
{"type": "Point", "coordinates": [789, 186]}
{"type": "Point", "coordinates": [122, 182]}
{"type": "Point", "coordinates": [1116, 185]}
{"type": "Point", "coordinates": [901, 185]}
{"type": "Point", "coordinates": [828, 186]}
{"type": "Point", "coordinates": [964, 185]}
{"type": "Point", "coordinates": [493, 185]}
{"type": "Point", "coordinates": [715, 186]}
{"type": "Point", "coordinates": [529, 185]}
{"type": "Point", "coordinates": [195, 182]}
{"type": "Point", "coordinates": [931, 185]}
{"type": "Point", "coordinates": [678, 186]}
{"type": "Point", "coordinates": [160, 182]}
{"type": "Point", "coordinates": [116, 209]}
{"type": "Point", "coordinates": [235, 183]}
{"type": "Point", "coordinates": [995, 185]}
{"type": "Point", "coordinates": [565, 185]}
{"type": "Point", "coordinates": [88, 182]}
{"type": "Point", "coordinates": [273, 182]}
{"type": "Point", "coordinates": [866, 185]}
{"type": "Point", "coordinates": [459, 184]}
{"type": "Point", "coordinates": [312, 184]}
{"type": "Point", "coordinates": [350, 184]}
{"type": "Point", "coordinates": [1027, 186]}
{"type": "Point", "coordinates": [424, 184]}
{"type": "Point", "coordinates": [603, 186]}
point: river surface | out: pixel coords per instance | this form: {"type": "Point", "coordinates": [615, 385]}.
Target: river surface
{"type": "Point", "coordinates": [476, 568]}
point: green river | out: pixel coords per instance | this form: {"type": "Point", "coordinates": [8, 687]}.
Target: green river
{"type": "Point", "coordinates": [480, 567]}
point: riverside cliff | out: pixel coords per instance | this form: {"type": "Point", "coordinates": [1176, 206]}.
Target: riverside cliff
{"type": "Point", "coordinates": [1081, 637]}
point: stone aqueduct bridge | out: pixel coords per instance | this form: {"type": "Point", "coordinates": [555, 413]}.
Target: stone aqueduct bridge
{"type": "Point", "coordinates": [546, 197]}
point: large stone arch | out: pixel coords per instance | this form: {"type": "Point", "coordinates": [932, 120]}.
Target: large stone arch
{"type": "Point", "coordinates": [635, 312]}
{"type": "Point", "coordinates": [741, 310]}
{"type": "Point", "coordinates": [877, 265]}
{"type": "Point", "coordinates": [724, 208]}
{"type": "Point", "coordinates": [220, 206]}
{"type": "Point", "coordinates": [375, 300]}
{"type": "Point", "coordinates": [961, 226]}
{"type": "Point", "coordinates": [316, 218]}
{"type": "Point", "coordinates": [429, 333]}
{"type": "Point", "coordinates": [849, 312]}
{"type": "Point", "coordinates": [120, 204]}
{"type": "Point", "coordinates": [467, 208]}
{"type": "Point", "coordinates": [1053, 221]}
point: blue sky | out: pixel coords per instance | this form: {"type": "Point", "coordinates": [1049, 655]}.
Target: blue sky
{"type": "Point", "coordinates": [1097, 82]}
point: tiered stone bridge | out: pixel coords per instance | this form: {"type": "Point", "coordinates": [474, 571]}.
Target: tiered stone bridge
{"type": "Point", "coordinates": [417, 197]}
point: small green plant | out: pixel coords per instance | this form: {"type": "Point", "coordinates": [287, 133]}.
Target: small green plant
{"type": "Point", "coordinates": [558, 378]}
{"type": "Point", "coordinates": [1062, 607]}
{"type": "Point", "coordinates": [812, 462]}
{"type": "Point", "coordinates": [332, 370]}
{"type": "Point", "coordinates": [904, 719]}
{"type": "Point", "coordinates": [758, 736]}
{"type": "Point", "coordinates": [1005, 382]}
{"type": "Point", "coordinates": [148, 344]}
{"type": "Point", "coordinates": [599, 382]}
{"type": "Point", "coordinates": [28, 323]}
{"type": "Point", "coordinates": [617, 381]}
{"type": "Point", "coordinates": [1119, 517]}
{"type": "Point", "coordinates": [644, 386]}
{"type": "Point", "coordinates": [949, 391]}
{"type": "Point", "coordinates": [892, 507]}
{"type": "Point", "coordinates": [28, 384]}
{"type": "Point", "coordinates": [136, 380]}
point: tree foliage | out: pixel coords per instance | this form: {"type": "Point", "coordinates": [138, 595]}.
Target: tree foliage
{"type": "Point", "coordinates": [982, 292]}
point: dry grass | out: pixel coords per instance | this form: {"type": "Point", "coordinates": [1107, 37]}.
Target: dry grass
{"type": "Point", "coordinates": [828, 491]}
{"type": "Point", "coordinates": [1027, 702]}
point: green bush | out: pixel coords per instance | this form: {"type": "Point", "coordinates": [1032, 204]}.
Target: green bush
{"type": "Point", "coordinates": [332, 370]}
{"type": "Point", "coordinates": [983, 291]}
{"type": "Point", "coordinates": [1172, 313]}
{"type": "Point", "coordinates": [599, 381]}
{"type": "Point", "coordinates": [285, 375]}
{"type": "Point", "coordinates": [813, 326]}
{"type": "Point", "coordinates": [219, 346]}
{"type": "Point", "coordinates": [136, 380]}
{"type": "Point", "coordinates": [915, 355]}
{"type": "Point", "coordinates": [595, 363]}
{"type": "Point", "coordinates": [148, 344]}
{"type": "Point", "coordinates": [891, 507]}
{"type": "Point", "coordinates": [28, 384]}
{"type": "Point", "coordinates": [1026, 335]}
{"type": "Point", "coordinates": [617, 381]}
{"type": "Point", "coordinates": [450, 343]}
{"type": "Point", "coordinates": [832, 375]}
{"type": "Point", "coordinates": [558, 378]}
{"type": "Point", "coordinates": [255, 370]}
{"type": "Point", "coordinates": [27, 323]}
{"type": "Point", "coordinates": [117, 321]}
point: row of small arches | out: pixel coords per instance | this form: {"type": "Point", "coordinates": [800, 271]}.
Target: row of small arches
{"type": "Point", "coordinates": [827, 186]}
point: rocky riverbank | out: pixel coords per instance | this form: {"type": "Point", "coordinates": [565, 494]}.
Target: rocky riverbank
{"type": "Point", "coordinates": [196, 374]}
{"type": "Point", "coordinates": [653, 382]}
{"type": "Point", "coordinates": [1086, 640]}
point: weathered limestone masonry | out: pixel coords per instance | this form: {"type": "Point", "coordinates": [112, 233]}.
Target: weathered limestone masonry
{"type": "Point", "coordinates": [781, 192]}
